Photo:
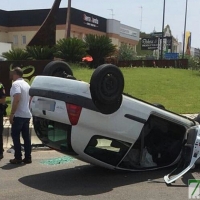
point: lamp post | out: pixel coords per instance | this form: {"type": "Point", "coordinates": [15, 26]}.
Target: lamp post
{"type": "Point", "coordinates": [141, 19]}
{"type": "Point", "coordinates": [68, 23]}
{"type": "Point", "coordinates": [186, 2]}
{"type": "Point", "coordinates": [163, 23]}
{"type": "Point", "coordinates": [111, 12]}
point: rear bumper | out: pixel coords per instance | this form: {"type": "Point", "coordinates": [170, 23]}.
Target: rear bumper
{"type": "Point", "coordinates": [68, 98]}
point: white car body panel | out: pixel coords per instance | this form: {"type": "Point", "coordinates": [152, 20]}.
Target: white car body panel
{"type": "Point", "coordinates": [91, 122]}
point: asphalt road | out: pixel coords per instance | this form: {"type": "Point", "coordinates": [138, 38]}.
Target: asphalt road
{"type": "Point", "coordinates": [78, 180]}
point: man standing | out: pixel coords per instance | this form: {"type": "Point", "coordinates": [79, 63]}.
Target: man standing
{"type": "Point", "coordinates": [2, 111]}
{"type": "Point", "coordinates": [20, 116]}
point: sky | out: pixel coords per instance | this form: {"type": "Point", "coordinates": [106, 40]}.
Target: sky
{"type": "Point", "coordinates": [144, 14]}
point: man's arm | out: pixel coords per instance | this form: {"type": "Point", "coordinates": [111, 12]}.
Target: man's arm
{"type": "Point", "coordinates": [16, 100]}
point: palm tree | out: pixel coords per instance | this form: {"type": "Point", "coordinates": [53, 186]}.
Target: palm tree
{"type": "Point", "coordinates": [40, 52]}
{"type": "Point", "coordinates": [70, 49]}
{"type": "Point", "coordinates": [99, 47]}
{"type": "Point", "coordinates": [16, 54]}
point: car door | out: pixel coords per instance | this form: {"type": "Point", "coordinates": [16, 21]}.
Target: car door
{"type": "Point", "coordinates": [190, 154]}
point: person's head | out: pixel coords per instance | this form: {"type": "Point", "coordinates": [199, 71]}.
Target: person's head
{"type": "Point", "coordinates": [16, 73]}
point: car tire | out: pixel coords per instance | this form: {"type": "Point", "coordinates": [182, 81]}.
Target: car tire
{"type": "Point", "coordinates": [108, 108]}
{"type": "Point", "coordinates": [106, 88]}
{"type": "Point", "coordinates": [58, 69]}
{"type": "Point", "coordinates": [159, 105]}
{"type": "Point", "coordinates": [107, 84]}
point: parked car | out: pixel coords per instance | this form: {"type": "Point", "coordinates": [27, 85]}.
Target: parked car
{"type": "Point", "coordinates": [99, 124]}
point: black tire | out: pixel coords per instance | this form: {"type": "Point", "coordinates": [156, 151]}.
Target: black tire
{"type": "Point", "coordinates": [108, 108]}
{"type": "Point", "coordinates": [58, 69]}
{"type": "Point", "coordinates": [159, 105]}
{"type": "Point", "coordinates": [107, 84]}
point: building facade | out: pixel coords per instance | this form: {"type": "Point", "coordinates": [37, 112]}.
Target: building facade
{"type": "Point", "coordinates": [19, 27]}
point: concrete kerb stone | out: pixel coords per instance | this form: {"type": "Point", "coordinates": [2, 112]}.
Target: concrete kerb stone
{"type": "Point", "coordinates": [192, 116]}
{"type": "Point", "coordinates": [8, 143]}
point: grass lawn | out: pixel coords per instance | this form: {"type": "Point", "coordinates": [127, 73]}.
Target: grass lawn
{"type": "Point", "coordinates": [177, 89]}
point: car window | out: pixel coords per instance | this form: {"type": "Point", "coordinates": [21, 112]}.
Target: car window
{"type": "Point", "coordinates": [107, 150]}
{"type": "Point", "coordinates": [53, 134]}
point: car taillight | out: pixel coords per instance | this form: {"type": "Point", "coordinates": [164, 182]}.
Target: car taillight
{"type": "Point", "coordinates": [74, 112]}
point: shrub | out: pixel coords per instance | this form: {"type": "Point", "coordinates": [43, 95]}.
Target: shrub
{"type": "Point", "coordinates": [40, 52]}
{"type": "Point", "coordinates": [16, 54]}
{"type": "Point", "coordinates": [126, 52]}
{"type": "Point", "coordinates": [99, 47]}
{"type": "Point", "coordinates": [70, 49]}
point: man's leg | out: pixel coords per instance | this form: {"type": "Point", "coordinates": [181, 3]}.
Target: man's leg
{"type": "Point", "coordinates": [15, 133]}
{"type": "Point", "coordinates": [27, 141]}
{"type": "Point", "coordinates": [1, 136]}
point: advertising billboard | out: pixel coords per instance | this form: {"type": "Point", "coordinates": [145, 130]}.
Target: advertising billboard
{"type": "Point", "coordinates": [149, 43]}
{"type": "Point", "coordinates": [88, 20]}
{"type": "Point", "coordinates": [188, 42]}
{"type": "Point", "coordinates": [155, 43]}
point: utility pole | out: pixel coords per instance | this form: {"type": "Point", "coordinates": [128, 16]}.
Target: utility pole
{"type": "Point", "coordinates": [68, 21]}
{"type": "Point", "coordinates": [163, 23]}
{"type": "Point", "coordinates": [184, 30]}
{"type": "Point", "coordinates": [141, 19]}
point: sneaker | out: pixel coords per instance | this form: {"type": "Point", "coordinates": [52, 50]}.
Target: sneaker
{"type": "Point", "coordinates": [27, 160]}
{"type": "Point", "coordinates": [15, 161]}
{"type": "Point", "coordinates": [1, 156]}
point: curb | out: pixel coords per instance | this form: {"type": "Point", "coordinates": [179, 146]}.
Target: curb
{"type": "Point", "coordinates": [192, 116]}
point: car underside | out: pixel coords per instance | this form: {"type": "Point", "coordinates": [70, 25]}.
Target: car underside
{"type": "Point", "coordinates": [99, 124]}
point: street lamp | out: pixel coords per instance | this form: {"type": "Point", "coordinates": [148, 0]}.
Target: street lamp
{"type": "Point", "coordinates": [68, 23]}
{"type": "Point", "coordinates": [111, 12]}
{"type": "Point", "coordinates": [163, 23]}
{"type": "Point", "coordinates": [184, 29]}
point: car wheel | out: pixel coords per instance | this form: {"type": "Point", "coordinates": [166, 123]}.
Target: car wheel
{"type": "Point", "coordinates": [159, 105]}
{"type": "Point", "coordinates": [108, 108]}
{"type": "Point", "coordinates": [106, 84]}
{"type": "Point", "coordinates": [58, 69]}
{"type": "Point", "coordinates": [106, 87]}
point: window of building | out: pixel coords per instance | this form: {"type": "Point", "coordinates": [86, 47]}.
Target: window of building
{"type": "Point", "coordinates": [15, 39]}
{"type": "Point", "coordinates": [23, 39]}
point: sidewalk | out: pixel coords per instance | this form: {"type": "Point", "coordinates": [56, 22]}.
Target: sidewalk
{"type": "Point", "coordinates": [192, 116]}
{"type": "Point", "coordinates": [7, 123]}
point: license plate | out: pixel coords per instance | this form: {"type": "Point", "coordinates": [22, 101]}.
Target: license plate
{"type": "Point", "coordinates": [44, 104]}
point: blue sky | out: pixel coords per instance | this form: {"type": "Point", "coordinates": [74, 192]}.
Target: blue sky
{"type": "Point", "coordinates": [129, 13]}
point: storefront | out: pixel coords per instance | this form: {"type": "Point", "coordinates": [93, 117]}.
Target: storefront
{"type": "Point", "coordinates": [19, 27]}
{"type": "Point", "coordinates": [122, 34]}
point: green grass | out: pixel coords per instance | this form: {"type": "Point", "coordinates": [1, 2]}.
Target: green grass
{"type": "Point", "coordinates": [177, 89]}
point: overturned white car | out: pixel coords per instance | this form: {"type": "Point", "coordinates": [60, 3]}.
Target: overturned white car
{"type": "Point", "coordinates": [99, 124]}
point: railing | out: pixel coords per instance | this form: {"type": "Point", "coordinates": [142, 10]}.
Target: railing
{"type": "Point", "coordinates": [180, 63]}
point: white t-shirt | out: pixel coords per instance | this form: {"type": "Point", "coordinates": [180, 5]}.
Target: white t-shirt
{"type": "Point", "coordinates": [21, 87]}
